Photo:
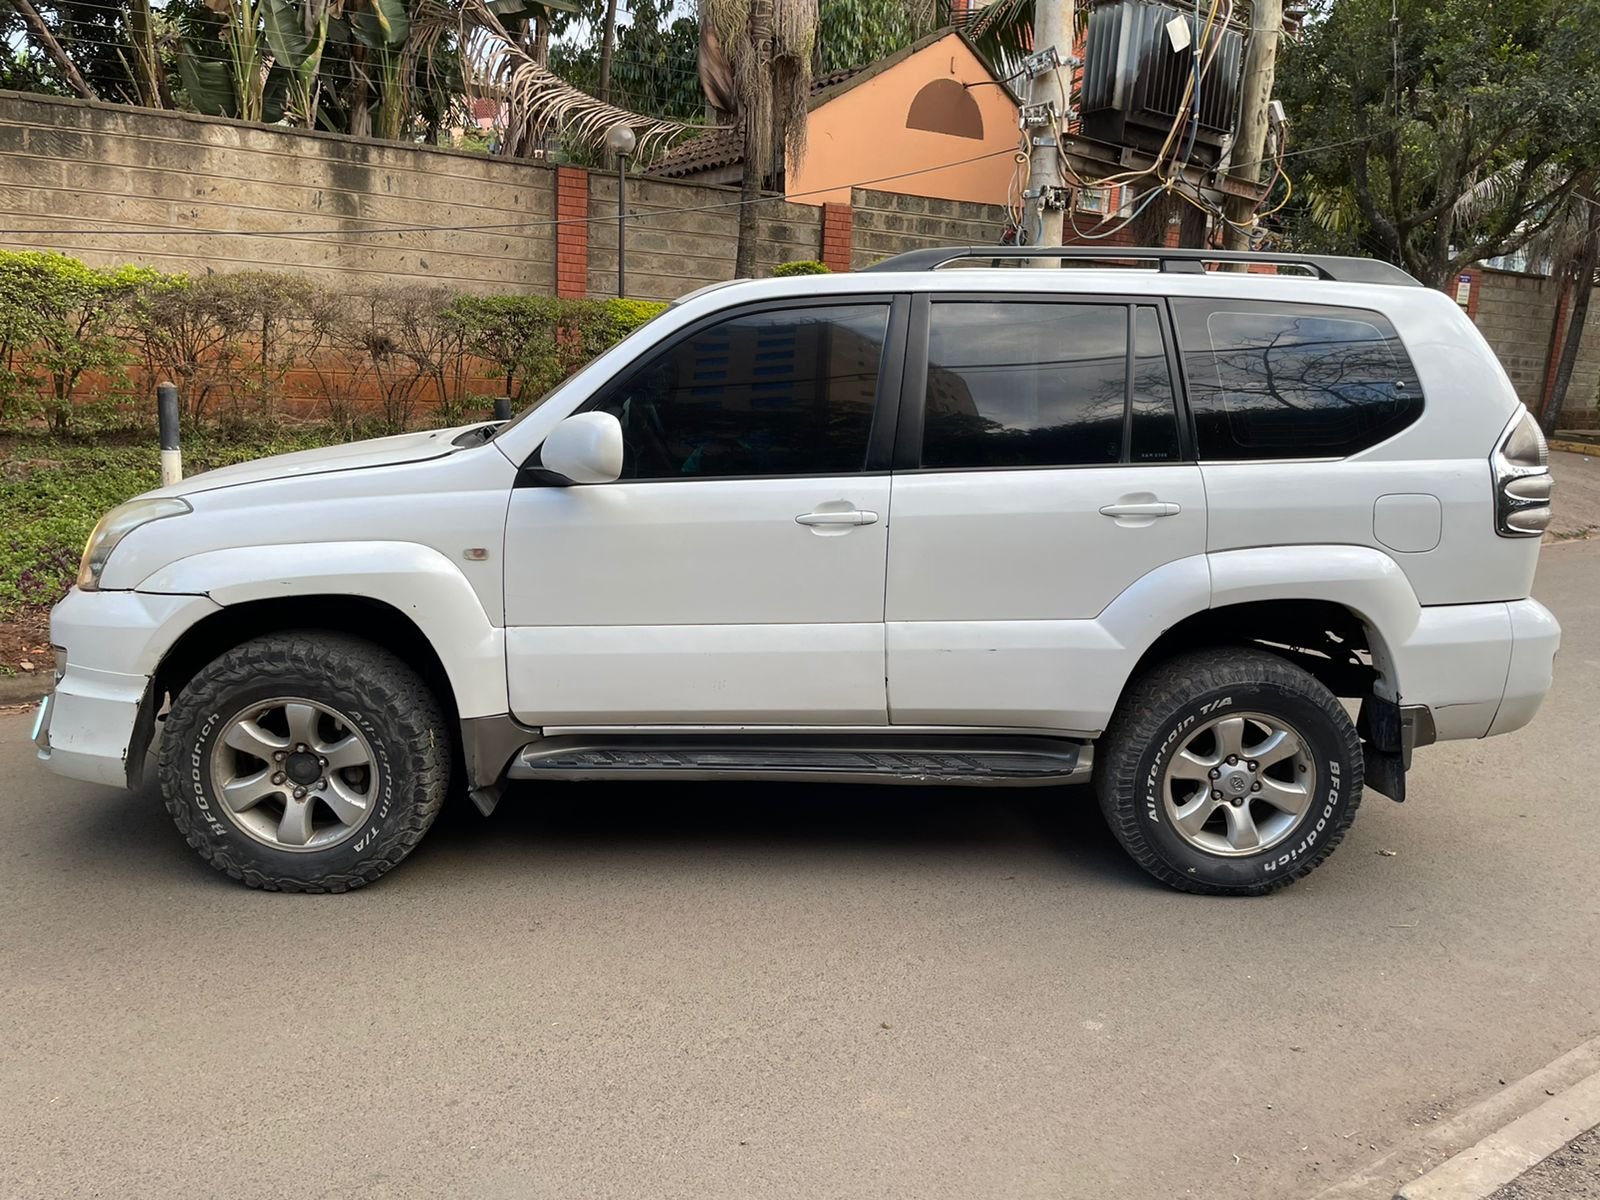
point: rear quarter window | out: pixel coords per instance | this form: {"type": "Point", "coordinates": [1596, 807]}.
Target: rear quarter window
{"type": "Point", "coordinates": [1293, 380]}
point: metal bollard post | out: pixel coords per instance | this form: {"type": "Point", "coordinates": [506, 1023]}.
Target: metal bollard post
{"type": "Point", "coordinates": [502, 408]}
{"type": "Point", "coordinates": [167, 419]}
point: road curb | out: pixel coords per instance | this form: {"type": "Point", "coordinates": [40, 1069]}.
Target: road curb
{"type": "Point", "coordinates": [23, 689]}
{"type": "Point", "coordinates": [1417, 1156]}
{"type": "Point", "coordinates": [1481, 1170]}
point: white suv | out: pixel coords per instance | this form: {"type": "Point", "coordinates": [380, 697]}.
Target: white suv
{"type": "Point", "coordinates": [983, 526]}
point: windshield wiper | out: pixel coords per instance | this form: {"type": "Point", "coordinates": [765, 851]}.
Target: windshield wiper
{"type": "Point", "coordinates": [474, 437]}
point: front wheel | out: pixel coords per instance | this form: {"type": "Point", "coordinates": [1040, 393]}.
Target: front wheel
{"type": "Point", "coordinates": [1229, 771]}
{"type": "Point", "coordinates": [305, 762]}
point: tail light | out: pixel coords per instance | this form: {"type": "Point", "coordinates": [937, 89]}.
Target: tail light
{"type": "Point", "coordinates": [1522, 480]}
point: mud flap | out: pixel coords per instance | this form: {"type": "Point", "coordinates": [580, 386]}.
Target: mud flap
{"type": "Point", "coordinates": [1384, 747]}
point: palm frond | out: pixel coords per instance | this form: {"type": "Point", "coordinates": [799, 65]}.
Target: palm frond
{"type": "Point", "coordinates": [540, 105]}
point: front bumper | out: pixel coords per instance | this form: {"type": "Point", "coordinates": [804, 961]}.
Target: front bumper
{"type": "Point", "coordinates": [114, 643]}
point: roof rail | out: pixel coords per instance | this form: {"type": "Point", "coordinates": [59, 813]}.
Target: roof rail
{"type": "Point", "coordinates": [1340, 270]}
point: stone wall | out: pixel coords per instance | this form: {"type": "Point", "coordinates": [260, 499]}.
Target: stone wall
{"type": "Point", "coordinates": [1518, 316]}
{"type": "Point", "coordinates": [886, 223]}
{"type": "Point", "coordinates": [114, 184]}
{"type": "Point", "coordinates": [683, 235]}
{"type": "Point", "coordinates": [340, 208]}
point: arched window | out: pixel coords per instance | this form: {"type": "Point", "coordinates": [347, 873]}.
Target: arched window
{"type": "Point", "coordinates": [944, 106]}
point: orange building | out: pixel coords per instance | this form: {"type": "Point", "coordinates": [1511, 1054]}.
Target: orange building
{"type": "Point", "coordinates": [929, 120]}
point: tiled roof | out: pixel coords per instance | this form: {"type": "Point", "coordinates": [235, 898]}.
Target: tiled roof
{"type": "Point", "coordinates": [714, 148]}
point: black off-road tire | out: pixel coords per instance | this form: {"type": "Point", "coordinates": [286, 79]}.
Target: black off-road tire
{"type": "Point", "coordinates": [1183, 693]}
{"type": "Point", "coordinates": [385, 700]}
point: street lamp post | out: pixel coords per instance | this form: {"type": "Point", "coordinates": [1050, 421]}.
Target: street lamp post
{"type": "Point", "coordinates": [621, 141]}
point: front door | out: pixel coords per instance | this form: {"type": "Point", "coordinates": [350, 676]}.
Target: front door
{"type": "Point", "coordinates": [734, 574]}
{"type": "Point", "coordinates": [1041, 472]}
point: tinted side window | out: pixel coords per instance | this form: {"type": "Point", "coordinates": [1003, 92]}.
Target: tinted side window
{"type": "Point", "coordinates": [1293, 381]}
{"type": "Point", "coordinates": [1025, 384]}
{"type": "Point", "coordinates": [788, 392]}
{"type": "Point", "coordinates": [1152, 409]}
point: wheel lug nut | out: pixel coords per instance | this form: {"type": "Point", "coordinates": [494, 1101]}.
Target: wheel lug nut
{"type": "Point", "coordinates": [1233, 760]}
{"type": "Point", "coordinates": [1254, 766]}
{"type": "Point", "coordinates": [278, 778]}
{"type": "Point", "coordinates": [322, 762]}
{"type": "Point", "coordinates": [277, 756]}
{"type": "Point", "coordinates": [299, 793]}
{"type": "Point", "coordinates": [1216, 774]}
{"type": "Point", "coordinates": [1216, 795]}
{"type": "Point", "coordinates": [1255, 787]}
{"type": "Point", "coordinates": [300, 748]}
{"type": "Point", "coordinates": [1237, 801]}
{"type": "Point", "coordinates": [322, 784]}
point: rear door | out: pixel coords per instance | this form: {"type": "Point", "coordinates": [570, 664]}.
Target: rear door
{"type": "Point", "coordinates": [1041, 469]}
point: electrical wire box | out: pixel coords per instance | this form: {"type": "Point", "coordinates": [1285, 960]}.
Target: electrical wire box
{"type": "Point", "coordinates": [1138, 84]}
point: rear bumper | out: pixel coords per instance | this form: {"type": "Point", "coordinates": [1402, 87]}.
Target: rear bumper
{"type": "Point", "coordinates": [1535, 638]}
{"type": "Point", "coordinates": [1479, 669]}
{"type": "Point", "coordinates": [114, 643]}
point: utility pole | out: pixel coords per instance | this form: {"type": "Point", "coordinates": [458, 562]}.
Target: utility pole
{"type": "Point", "coordinates": [1255, 93]}
{"type": "Point", "coordinates": [1052, 29]}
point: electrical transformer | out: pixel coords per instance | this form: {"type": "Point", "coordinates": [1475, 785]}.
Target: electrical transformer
{"type": "Point", "coordinates": [1138, 62]}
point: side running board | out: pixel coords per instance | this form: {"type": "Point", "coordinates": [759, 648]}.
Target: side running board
{"type": "Point", "coordinates": [1017, 761]}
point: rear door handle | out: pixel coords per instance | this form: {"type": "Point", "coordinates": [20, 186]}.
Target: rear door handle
{"type": "Point", "coordinates": [1143, 508]}
{"type": "Point", "coordinates": [850, 516]}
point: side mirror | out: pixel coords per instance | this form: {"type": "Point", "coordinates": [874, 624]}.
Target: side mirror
{"type": "Point", "coordinates": [584, 448]}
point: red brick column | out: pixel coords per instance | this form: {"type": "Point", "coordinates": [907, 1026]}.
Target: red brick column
{"type": "Point", "coordinates": [572, 233]}
{"type": "Point", "coordinates": [837, 223]}
{"type": "Point", "coordinates": [1558, 335]}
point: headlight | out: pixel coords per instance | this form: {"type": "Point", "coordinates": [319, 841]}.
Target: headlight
{"type": "Point", "coordinates": [118, 524]}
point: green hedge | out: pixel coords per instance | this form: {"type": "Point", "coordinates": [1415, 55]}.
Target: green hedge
{"type": "Point", "coordinates": [82, 347]}
{"type": "Point", "coordinates": [803, 266]}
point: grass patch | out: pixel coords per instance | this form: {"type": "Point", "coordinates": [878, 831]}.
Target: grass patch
{"type": "Point", "coordinates": [53, 490]}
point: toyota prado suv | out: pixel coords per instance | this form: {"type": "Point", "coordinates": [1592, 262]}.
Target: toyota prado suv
{"type": "Point", "coordinates": [1227, 544]}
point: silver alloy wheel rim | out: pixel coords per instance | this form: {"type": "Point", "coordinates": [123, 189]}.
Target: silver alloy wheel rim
{"type": "Point", "coordinates": [1239, 784]}
{"type": "Point", "coordinates": [294, 774]}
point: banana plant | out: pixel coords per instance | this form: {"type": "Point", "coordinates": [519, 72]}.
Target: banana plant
{"type": "Point", "coordinates": [382, 28]}
{"type": "Point", "coordinates": [297, 36]}
{"type": "Point", "coordinates": [240, 81]}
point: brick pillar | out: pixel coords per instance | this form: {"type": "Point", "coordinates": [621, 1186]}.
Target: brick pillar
{"type": "Point", "coordinates": [837, 223]}
{"type": "Point", "coordinates": [1558, 334]}
{"type": "Point", "coordinates": [572, 233]}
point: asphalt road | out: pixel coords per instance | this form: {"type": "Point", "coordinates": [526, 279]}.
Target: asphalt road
{"type": "Point", "coordinates": [785, 992]}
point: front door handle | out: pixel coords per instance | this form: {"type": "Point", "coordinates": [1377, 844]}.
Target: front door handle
{"type": "Point", "coordinates": [849, 516]}
{"type": "Point", "coordinates": [1142, 508]}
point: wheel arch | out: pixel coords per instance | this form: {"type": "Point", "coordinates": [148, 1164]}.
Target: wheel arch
{"type": "Point", "coordinates": [412, 592]}
{"type": "Point", "coordinates": [360, 616]}
{"type": "Point", "coordinates": [1336, 644]}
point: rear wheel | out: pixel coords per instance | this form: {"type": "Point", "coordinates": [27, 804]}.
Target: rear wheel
{"type": "Point", "coordinates": [305, 761]}
{"type": "Point", "coordinates": [1229, 771]}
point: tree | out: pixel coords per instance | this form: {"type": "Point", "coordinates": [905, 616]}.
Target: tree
{"type": "Point", "coordinates": [1569, 244]}
{"type": "Point", "coordinates": [649, 64]}
{"type": "Point", "coordinates": [1461, 92]}
{"type": "Point", "coordinates": [768, 46]}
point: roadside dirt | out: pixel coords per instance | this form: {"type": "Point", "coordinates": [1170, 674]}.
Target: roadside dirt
{"type": "Point", "coordinates": [1571, 1173]}
{"type": "Point", "coordinates": [25, 646]}
{"type": "Point", "coordinates": [1577, 498]}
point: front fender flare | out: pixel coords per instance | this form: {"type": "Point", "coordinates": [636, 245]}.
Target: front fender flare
{"type": "Point", "coordinates": [417, 581]}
